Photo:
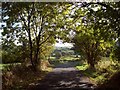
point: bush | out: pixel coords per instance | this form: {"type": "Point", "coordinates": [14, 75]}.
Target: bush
{"type": "Point", "coordinates": [19, 77]}
{"type": "Point", "coordinates": [13, 56]}
{"type": "Point", "coordinates": [113, 83]}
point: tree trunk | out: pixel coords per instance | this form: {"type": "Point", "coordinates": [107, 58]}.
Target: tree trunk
{"type": "Point", "coordinates": [31, 51]}
{"type": "Point", "coordinates": [92, 65]}
{"type": "Point", "coordinates": [30, 43]}
{"type": "Point", "coordinates": [91, 61]}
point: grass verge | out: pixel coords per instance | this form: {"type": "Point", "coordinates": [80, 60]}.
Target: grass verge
{"type": "Point", "coordinates": [20, 77]}
{"type": "Point", "coordinates": [104, 70]}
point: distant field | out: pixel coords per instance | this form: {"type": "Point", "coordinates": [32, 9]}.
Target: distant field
{"type": "Point", "coordinates": [68, 58]}
{"type": "Point", "coordinates": [65, 58]}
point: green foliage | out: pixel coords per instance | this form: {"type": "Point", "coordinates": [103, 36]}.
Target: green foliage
{"type": "Point", "coordinates": [11, 54]}
{"type": "Point", "coordinates": [91, 44]}
{"type": "Point", "coordinates": [13, 79]}
{"type": "Point", "coordinates": [82, 67]}
{"type": "Point", "coordinates": [94, 38]}
{"type": "Point", "coordinates": [105, 68]}
{"type": "Point", "coordinates": [46, 50]}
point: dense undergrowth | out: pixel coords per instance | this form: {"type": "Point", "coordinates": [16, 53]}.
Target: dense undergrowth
{"type": "Point", "coordinates": [105, 69]}
{"type": "Point", "coordinates": [19, 77]}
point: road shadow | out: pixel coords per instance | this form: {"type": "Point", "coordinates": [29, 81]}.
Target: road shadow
{"type": "Point", "coordinates": [64, 77]}
{"type": "Point", "coordinates": [66, 80]}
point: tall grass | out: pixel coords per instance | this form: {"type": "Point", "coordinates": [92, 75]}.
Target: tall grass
{"type": "Point", "coordinates": [105, 68]}
{"type": "Point", "coordinates": [19, 77]}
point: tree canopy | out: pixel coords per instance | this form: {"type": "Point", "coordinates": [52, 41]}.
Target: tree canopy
{"type": "Point", "coordinates": [93, 27]}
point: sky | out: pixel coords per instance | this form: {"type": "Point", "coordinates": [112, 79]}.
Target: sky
{"type": "Point", "coordinates": [61, 44]}
{"type": "Point", "coordinates": [69, 45]}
